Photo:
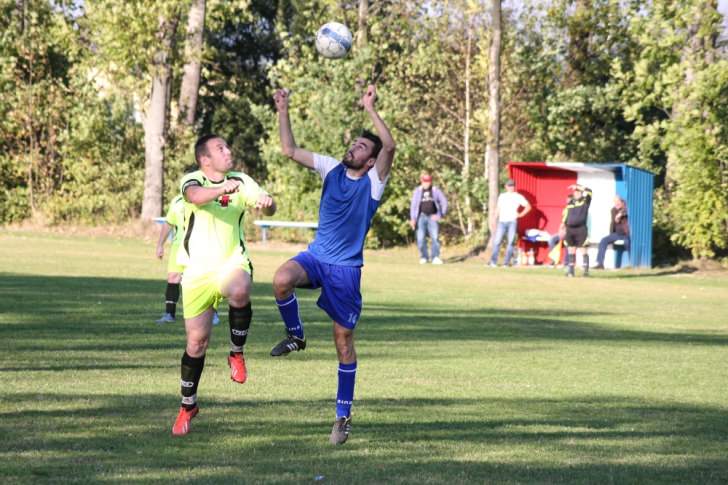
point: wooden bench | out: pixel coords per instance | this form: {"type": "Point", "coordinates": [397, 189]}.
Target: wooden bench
{"type": "Point", "coordinates": [265, 225]}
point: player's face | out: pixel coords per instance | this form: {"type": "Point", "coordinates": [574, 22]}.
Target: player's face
{"type": "Point", "coordinates": [220, 157]}
{"type": "Point", "coordinates": [359, 153]}
{"type": "Point", "coordinates": [577, 194]}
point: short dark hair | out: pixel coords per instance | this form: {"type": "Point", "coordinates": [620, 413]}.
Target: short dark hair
{"type": "Point", "coordinates": [201, 146]}
{"type": "Point", "coordinates": [375, 139]}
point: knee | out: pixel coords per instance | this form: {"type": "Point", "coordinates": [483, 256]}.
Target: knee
{"type": "Point", "coordinates": [239, 297]}
{"type": "Point", "coordinates": [196, 347]}
{"type": "Point", "coordinates": [282, 284]}
{"type": "Point", "coordinates": [345, 350]}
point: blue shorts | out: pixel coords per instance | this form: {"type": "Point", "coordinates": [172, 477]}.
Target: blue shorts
{"type": "Point", "coordinates": [340, 288]}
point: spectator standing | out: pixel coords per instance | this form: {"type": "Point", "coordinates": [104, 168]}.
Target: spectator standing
{"type": "Point", "coordinates": [428, 206]}
{"type": "Point", "coordinates": [507, 216]}
{"type": "Point", "coordinates": [618, 230]}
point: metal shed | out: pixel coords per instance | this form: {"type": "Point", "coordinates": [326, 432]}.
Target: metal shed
{"type": "Point", "coordinates": [545, 184]}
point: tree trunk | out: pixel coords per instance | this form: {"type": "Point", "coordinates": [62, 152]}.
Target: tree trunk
{"type": "Point", "coordinates": [193, 63]}
{"type": "Point", "coordinates": [466, 131]}
{"type": "Point", "coordinates": [361, 33]}
{"type": "Point", "coordinates": [155, 121]}
{"type": "Point", "coordinates": [492, 162]}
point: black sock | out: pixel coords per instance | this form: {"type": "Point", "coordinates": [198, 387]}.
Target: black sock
{"type": "Point", "coordinates": [239, 324]}
{"type": "Point", "coordinates": [190, 378]}
{"type": "Point", "coordinates": [571, 262]}
{"type": "Point", "coordinates": [171, 297]}
{"type": "Point", "coordinates": [585, 263]}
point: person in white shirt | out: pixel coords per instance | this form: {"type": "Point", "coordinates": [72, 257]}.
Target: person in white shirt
{"type": "Point", "coordinates": [508, 213]}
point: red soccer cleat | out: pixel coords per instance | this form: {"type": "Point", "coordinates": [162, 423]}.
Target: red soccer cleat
{"type": "Point", "coordinates": [238, 372]}
{"type": "Point", "coordinates": [182, 423]}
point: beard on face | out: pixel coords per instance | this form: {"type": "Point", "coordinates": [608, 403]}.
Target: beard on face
{"type": "Point", "coordinates": [353, 164]}
{"type": "Point", "coordinates": [349, 162]}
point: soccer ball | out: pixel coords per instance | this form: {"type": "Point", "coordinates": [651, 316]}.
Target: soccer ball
{"type": "Point", "coordinates": [333, 40]}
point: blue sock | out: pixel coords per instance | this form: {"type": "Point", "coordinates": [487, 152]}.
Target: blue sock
{"type": "Point", "coordinates": [345, 392]}
{"type": "Point", "coordinates": [289, 313]}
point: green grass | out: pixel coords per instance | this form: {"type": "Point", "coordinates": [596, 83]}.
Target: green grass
{"type": "Point", "coordinates": [466, 375]}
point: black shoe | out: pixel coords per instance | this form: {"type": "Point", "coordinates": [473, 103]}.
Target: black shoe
{"type": "Point", "coordinates": [288, 345]}
{"type": "Point", "coordinates": [598, 266]}
{"type": "Point", "coordinates": [340, 431]}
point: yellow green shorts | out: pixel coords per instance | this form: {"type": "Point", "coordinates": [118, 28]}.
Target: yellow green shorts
{"type": "Point", "coordinates": [172, 265]}
{"type": "Point", "coordinates": [201, 289]}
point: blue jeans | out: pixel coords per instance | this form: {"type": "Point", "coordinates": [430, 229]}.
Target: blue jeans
{"type": "Point", "coordinates": [425, 225]}
{"type": "Point", "coordinates": [500, 231]}
{"type": "Point", "coordinates": [606, 241]}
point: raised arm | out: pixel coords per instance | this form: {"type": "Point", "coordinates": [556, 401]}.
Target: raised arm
{"type": "Point", "coordinates": [288, 143]}
{"type": "Point", "coordinates": [386, 155]}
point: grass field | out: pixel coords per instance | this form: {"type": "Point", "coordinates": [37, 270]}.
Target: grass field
{"type": "Point", "coordinates": [466, 375]}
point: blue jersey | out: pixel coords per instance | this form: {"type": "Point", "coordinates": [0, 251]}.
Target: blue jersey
{"type": "Point", "coordinates": [345, 213]}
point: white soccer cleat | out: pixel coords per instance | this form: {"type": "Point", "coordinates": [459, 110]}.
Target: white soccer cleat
{"type": "Point", "coordinates": [436, 260]}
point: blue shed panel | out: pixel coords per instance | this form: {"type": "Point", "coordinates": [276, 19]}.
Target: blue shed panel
{"type": "Point", "coordinates": [639, 185]}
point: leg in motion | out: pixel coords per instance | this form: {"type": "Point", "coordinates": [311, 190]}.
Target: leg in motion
{"type": "Point", "coordinates": [290, 275]}
{"type": "Point", "coordinates": [344, 341]}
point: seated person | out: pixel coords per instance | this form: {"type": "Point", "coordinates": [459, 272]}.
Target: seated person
{"type": "Point", "coordinates": [618, 230]}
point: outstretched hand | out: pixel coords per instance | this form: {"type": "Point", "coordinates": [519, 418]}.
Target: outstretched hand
{"type": "Point", "coordinates": [369, 97]}
{"type": "Point", "coordinates": [281, 99]}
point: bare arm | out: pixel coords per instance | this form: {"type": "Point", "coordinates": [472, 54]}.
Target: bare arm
{"type": "Point", "coordinates": [197, 195]}
{"type": "Point", "coordinates": [526, 210]}
{"type": "Point", "coordinates": [163, 233]}
{"type": "Point", "coordinates": [288, 143]}
{"type": "Point", "coordinates": [386, 155]}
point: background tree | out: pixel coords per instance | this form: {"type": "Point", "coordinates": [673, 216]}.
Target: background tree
{"type": "Point", "coordinates": [492, 160]}
{"type": "Point", "coordinates": [156, 119]}
{"type": "Point", "coordinates": [580, 80]}
{"type": "Point", "coordinates": [194, 39]}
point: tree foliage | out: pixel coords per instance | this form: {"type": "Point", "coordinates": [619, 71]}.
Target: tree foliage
{"type": "Point", "coordinates": [581, 80]}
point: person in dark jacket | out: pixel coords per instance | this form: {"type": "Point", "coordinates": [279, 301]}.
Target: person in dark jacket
{"type": "Point", "coordinates": [428, 206]}
{"type": "Point", "coordinates": [576, 235]}
{"type": "Point", "coordinates": [618, 230]}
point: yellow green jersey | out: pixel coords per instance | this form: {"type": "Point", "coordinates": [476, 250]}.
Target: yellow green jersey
{"type": "Point", "coordinates": [214, 234]}
{"type": "Point", "coordinates": [176, 218]}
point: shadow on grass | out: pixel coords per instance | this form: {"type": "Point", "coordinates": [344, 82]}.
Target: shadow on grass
{"type": "Point", "coordinates": [116, 314]}
{"type": "Point", "coordinates": [415, 440]}
{"type": "Point", "coordinates": [681, 269]}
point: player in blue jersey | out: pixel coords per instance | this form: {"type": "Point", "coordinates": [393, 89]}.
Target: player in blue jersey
{"type": "Point", "coordinates": [352, 190]}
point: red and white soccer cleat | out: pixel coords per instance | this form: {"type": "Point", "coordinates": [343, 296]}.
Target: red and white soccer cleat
{"type": "Point", "coordinates": [238, 372]}
{"type": "Point", "coordinates": [182, 423]}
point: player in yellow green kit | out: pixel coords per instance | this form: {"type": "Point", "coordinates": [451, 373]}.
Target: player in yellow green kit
{"type": "Point", "coordinates": [216, 263]}
{"type": "Point", "coordinates": [174, 220]}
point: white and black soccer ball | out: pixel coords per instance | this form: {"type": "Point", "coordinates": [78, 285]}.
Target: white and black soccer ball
{"type": "Point", "coordinates": [333, 40]}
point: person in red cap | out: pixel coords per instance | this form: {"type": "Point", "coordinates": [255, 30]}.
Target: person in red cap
{"type": "Point", "coordinates": [428, 206]}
